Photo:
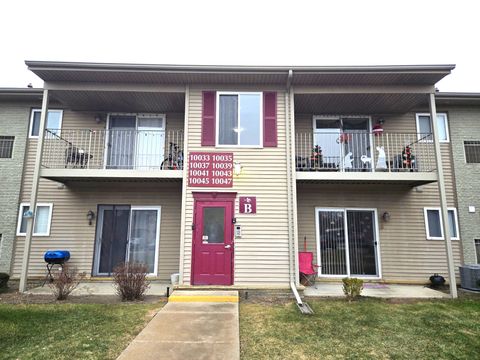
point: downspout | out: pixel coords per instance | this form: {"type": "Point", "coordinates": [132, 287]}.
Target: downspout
{"type": "Point", "coordinates": [290, 205]}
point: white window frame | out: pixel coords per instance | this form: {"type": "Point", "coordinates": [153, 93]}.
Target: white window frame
{"type": "Point", "coordinates": [157, 235]}
{"type": "Point", "coordinates": [378, 260]}
{"type": "Point", "coordinates": [427, 229]}
{"type": "Point", "coordinates": [217, 118]}
{"type": "Point", "coordinates": [445, 119]}
{"type": "Point", "coordinates": [30, 128]}
{"type": "Point", "coordinates": [20, 218]}
{"type": "Point", "coordinates": [158, 208]}
{"type": "Point", "coordinates": [137, 116]}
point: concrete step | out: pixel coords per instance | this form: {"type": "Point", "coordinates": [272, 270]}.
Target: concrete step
{"type": "Point", "coordinates": [222, 296]}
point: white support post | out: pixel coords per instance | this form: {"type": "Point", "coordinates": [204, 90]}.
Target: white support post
{"type": "Point", "coordinates": [34, 193]}
{"type": "Point", "coordinates": [443, 199]}
{"type": "Point", "coordinates": [184, 186]}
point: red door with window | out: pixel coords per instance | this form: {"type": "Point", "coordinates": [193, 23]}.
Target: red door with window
{"type": "Point", "coordinates": [212, 261]}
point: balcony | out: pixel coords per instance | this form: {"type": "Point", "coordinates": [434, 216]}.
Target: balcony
{"type": "Point", "coordinates": [365, 157]}
{"type": "Point", "coordinates": [87, 154]}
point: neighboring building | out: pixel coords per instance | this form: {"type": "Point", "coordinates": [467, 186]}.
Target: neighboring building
{"type": "Point", "coordinates": [464, 115]}
{"type": "Point", "coordinates": [339, 156]}
{"type": "Point", "coordinates": [15, 106]}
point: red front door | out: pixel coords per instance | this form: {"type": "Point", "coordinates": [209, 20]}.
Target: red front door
{"type": "Point", "coordinates": [212, 261]}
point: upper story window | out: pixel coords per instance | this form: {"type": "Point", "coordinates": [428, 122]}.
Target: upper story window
{"type": "Point", "coordinates": [433, 223]}
{"type": "Point", "coordinates": [424, 126]}
{"type": "Point", "coordinates": [54, 122]}
{"type": "Point", "coordinates": [472, 151]}
{"type": "Point", "coordinates": [6, 146]}
{"type": "Point", "coordinates": [239, 119]}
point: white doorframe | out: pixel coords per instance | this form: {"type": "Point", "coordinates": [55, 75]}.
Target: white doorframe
{"type": "Point", "coordinates": [137, 116]}
{"type": "Point", "coordinates": [96, 260]}
{"type": "Point", "coordinates": [347, 250]}
{"type": "Point", "coordinates": [157, 235]}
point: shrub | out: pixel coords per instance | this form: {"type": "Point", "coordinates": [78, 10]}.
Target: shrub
{"type": "Point", "coordinates": [65, 281]}
{"type": "Point", "coordinates": [352, 288]}
{"type": "Point", "coordinates": [4, 280]}
{"type": "Point", "coordinates": [131, 281]}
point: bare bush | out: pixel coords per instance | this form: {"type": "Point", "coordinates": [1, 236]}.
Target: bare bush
{"type": "Point", "coordinates": [352, 288]}
{"type": "Point", "coordinates": [65, 281]}
{"type": "Point", "coordinates": [131, 281]}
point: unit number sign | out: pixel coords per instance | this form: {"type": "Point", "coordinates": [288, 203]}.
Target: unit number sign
{"type": "Point", "coordinates": [207, 169]}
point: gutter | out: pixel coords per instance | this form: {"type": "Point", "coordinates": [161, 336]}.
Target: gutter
{"type": "Point", "coordinates": [58, 65]}
{"type": "Point", "coordinates": [303, 307]}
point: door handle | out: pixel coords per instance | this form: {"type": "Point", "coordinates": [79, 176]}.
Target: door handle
{"type": "Point", "coordinates": [228, 246]}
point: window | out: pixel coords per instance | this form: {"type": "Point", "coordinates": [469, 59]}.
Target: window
{"type": "Point", "coordinates": [472, 151]}
{"type": "Point", "coordinates": [239, 119]}
{"type": "Point", "coordinates": [54, 121]}
{"type": "Point", "coordinates": [6, 146]}
{"type": "Point", "coordinates": [433, 224]}
{"type": "Point", "coordinates": [43, 219]}
{"type": "Point", "coordinates": [477, 249]}
{"type": "Point", "coordinates": [424, 126]}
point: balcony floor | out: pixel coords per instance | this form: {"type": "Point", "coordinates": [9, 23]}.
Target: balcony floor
{"type": "Point", "coordinates": [407, 178]}
{"type": "Point", "coordinates": [67, 175]}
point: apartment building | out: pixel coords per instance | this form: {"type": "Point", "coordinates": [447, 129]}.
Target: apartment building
{"type": "Point", "coordinates": [464, 115]}
{"type": "Point", "coordinates": [223, 173]}
{"type": "Point", "coordinates": [15, 108]}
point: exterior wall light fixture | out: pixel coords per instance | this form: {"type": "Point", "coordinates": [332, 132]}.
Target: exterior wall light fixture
{"type": "Point", "coordinates": [386, 216]}
{"type": "Point", "coordinates": [90, 216]}
{"type": "Point", "coordinates": [237, 168]}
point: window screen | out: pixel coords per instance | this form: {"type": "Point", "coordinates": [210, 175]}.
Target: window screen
{"type": "Point", "coordinates": [6, 146]}
{"type": "Point", "coordinates": [472, 151]}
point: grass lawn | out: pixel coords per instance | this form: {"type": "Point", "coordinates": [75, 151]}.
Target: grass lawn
{"type": "Point", "coordinates": [366, 329]}
{"type": "Point", "coordinates": [70, 331]}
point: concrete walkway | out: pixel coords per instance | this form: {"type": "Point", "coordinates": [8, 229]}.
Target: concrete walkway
{"type": "Point", "coordinates": [200, 325]}
{"type": "Point", "coordinates": [377, 290]}
{"type": "Point", "coordinates": [100, 288]}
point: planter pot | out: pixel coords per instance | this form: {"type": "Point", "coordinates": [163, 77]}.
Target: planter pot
{"type": "Point", "coordinates": [437, 280]}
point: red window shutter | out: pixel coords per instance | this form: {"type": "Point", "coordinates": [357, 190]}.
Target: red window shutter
{"type": "Point", "coordinates": [208, 118]}
{"type": "Point", "coordinates": [269, 119]}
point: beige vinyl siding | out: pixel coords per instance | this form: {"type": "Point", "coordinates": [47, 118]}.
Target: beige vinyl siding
{"type": "Point", "coordinates": [261, 255]}
{"type": "Point", "coordinates": [406, 255]}
{"type": "Point", "coordinates": [70, 229]}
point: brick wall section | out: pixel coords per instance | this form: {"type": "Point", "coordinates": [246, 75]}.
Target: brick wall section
{"type": "Point", "coordinates": [465, 125]}
{"type": "Point", "coordinates": [14, 121]}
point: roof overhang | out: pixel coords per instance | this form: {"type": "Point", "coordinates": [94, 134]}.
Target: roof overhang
{"type": "Point", "coordinates": [318, 89]}
{"type": "Point", "coordinates": [20, 94]}
{"type": "Point", "coordinates": [255, 75]}
{"type": "Point", "coordinates": [457, 99]}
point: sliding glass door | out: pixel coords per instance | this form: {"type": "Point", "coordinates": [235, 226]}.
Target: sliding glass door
{"type": "Point", "coordinates": [126, 233]}
{"type": "Point", "coordinates": [144, 235]}
{"type": "Point", "coordinates": [135, 142]}
{"type": "Point", "coordinates": [347, 242]}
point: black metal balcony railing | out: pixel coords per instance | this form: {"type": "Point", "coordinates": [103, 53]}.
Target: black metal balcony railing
{"type": "Point", "coordinates": [113, 149]}
{"type": "Point", "coordinates": [364, 151]}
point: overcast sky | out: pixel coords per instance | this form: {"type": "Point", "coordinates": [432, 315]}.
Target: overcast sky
{"type": "Point", "coordinates": [243, 32]}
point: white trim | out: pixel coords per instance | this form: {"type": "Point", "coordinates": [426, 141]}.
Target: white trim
{"type": "Point", "coordinates": [347, 257]}
{"type": "Point", "coordinates": [217, 119]}
{"type": "Point", "coordinates": [445, 120]}
{"type": "Point", "coordinates": [427, 229]}
{"type": "Point", "coordinates": [20, 217]}
{"type": "Point", "coordinates": [30, 127]}
{"type": "Point", "coordinates": [96, 260]}
{"type": "Point", "coordinates": [157, 235]}
{"type": "Point", "coordinates": [137, 116]}
{"type": "Point", "coordinates": [339, 118]}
